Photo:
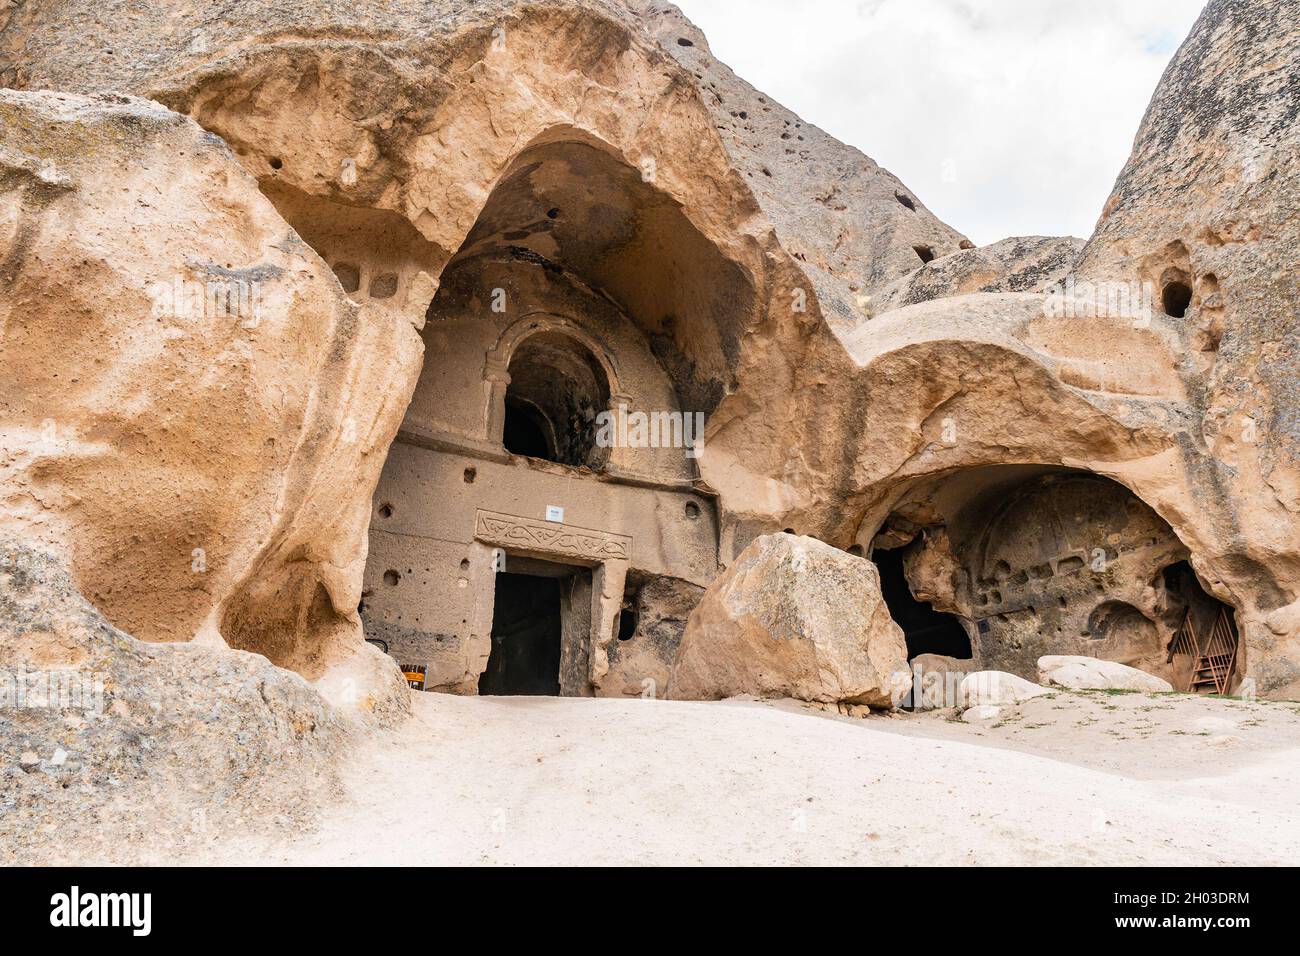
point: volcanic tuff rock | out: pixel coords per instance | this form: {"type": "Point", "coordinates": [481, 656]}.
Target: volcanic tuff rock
{"type": "Point", "coordinates": [177, 441]}
{"type": "Point", "coordinates": [1089, 673]}
{"type": "Point", "coordinates": [996, 689]}
{"type": "Point", "coordinates": [936, 680]}
{"type": "Point", "coordinates": [849, 386]}
{"type": "Point", "coordinates": [1021, 264]}
{"type": "Point", "coordinates": [793, 617]}
{"type": "Point", "coordinates": [97, 725]}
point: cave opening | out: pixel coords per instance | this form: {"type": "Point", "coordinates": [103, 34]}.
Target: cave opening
{"type": "Point", "coordinates": [926, 630]}
{"type": "Point", "coordinates": [526, 636]}
{"type": "Point", "coordinates": [1204, 649]}
{"type": "Point", "coordinates": [557, 389]}
{"type": "Point", "coordinates": [1175, 298]}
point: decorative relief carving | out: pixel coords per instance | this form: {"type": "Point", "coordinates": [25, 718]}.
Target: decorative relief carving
{"type": "Point", "coordinates": [531, 534]}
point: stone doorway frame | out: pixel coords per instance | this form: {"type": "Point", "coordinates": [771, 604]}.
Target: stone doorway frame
{"type": "Point", "coordinates": [607, 554]}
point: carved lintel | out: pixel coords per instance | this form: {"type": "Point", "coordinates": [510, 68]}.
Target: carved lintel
{"type": "Point", "coordinates": [549, 537]}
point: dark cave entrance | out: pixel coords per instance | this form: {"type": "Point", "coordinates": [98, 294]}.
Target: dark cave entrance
{"type": "Point", "coordinates": [526, 635]}
{"type": "Point", "coordinates": [526, 431]}
{"type": "Point", "coordinates": [557, 389]}
{"type": "Point", "coordinates": [926, 630]}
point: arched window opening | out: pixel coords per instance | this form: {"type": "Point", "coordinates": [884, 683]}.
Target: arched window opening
{"type": "Point", "coordinates": [557, 389]}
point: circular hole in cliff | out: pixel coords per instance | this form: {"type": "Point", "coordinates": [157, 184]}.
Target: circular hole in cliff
{"type": "Point", "coordinates": [385, 510]}
{"type": "Point", "coordinates": [682, 41]}
{"type": "Point", "coordinates": [391, 578]}
{"type": "Point", "coordinates": [553, 212]}
{"type": "Point", "coordinates": [925, 253]}
{"type": "Point", "coordinates": [906, 200]}
{"type": "Point", "coordinates": [692, 510]}
{"type": "Point", "coordinates": [1176, 297]}
{"type": "Point", "coordinates": [470, 475]}
{"type": "Point", "coordinates": [464, 564]}
{"type": "Point", "coordinates": [277, 162]}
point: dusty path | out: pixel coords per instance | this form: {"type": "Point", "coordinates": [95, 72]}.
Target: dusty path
{"type": "Point", "coordinates": [1085, 779]}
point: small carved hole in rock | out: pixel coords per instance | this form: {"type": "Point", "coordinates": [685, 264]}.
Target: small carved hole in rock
{"type": "Point", "coordinates": [906, 200]}
{"type": "Point", "coordinates": [626, 624]}
{"type": "Point", "coordinates": [349, 276]}
{"type": "Point", "coordinates": [788, 530]}
{"type": "Point", "coordinates": [553, 212]}
{"type": "Point", "coordinates": [383, 286]}
{"type": "Point", "coordinates": [391, 578]}
{"type": "Point", "coordinates": [464, 564]}
{"type": "Point", "coordinates": [385, 510]}
{"type": "Point", "coordinates": [692, 510]}
{"type": "Point", "coordinates": [470, 475]}
{"type": "Point", "coordinates": [682, 41]}
{"type": "Point", "coordinates": [277, 162]}
{"type": "Point", "coordinates": [1176, 297]}
{"type": "Point", "coordinates": [925, 253]}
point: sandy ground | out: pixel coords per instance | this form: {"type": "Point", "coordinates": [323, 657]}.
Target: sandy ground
{"type": "Point", "coordinates": [1075, 778]}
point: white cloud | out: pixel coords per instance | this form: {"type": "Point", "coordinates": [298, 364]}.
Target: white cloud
{"type": "Point", "coordinates": [1007, 117]}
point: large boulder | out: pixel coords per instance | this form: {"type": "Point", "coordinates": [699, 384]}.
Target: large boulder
{"type": "Point", "coordinates": [1091, 673]}
{"type": "Point", "coordinates": [793, 617]}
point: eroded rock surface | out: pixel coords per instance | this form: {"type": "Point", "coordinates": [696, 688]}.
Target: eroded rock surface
{"type": "Point", "coordinates": [1020, 264]}
{"type": "Point", "coordinates": [1079, 450]}
{"type": "Point", "coordinates": [192, 414]}
{"type": "Point", "coordinates": [937, 680]}
{"type": "Point", "coordinates": [793, 617]}
{"type": "Point", "coordinates": [106, 738]}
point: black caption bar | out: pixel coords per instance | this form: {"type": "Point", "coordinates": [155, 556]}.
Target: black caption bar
{"type": "Point", "coordinates": [136, 906]}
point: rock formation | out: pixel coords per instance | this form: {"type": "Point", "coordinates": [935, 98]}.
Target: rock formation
{"type": "Point", "coordinates": [793, 617]}
{"type": "Point", "coordinates": [109, 740]}
{"type": "Point", "coordinates": [997, 689]}
{"type": "Point", "coordinates": [317, 321]}
{"type": "Point", "coordinates": [184, 383]}
{"type": "Point", "coordinates": [1091, 673]}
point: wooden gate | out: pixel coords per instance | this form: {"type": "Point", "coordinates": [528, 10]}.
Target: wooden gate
{"type": "Point", "coordinates": [1212, 657]}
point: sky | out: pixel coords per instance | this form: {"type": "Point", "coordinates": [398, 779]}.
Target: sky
{"type": "Point", "coordinates": [1006, 117]}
